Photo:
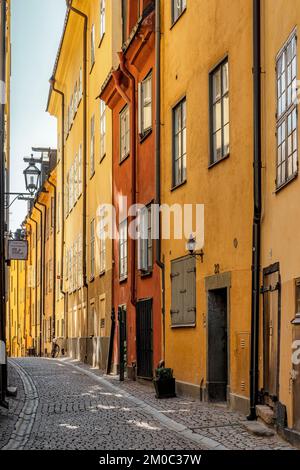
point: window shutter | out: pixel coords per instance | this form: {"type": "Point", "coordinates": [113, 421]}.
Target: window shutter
{"type": "Point", "coordinates": [190, 291]}
{"type": "Point", "coordinates": [140, 108]}
{"type": "Point", "coordinates": [176, 292]}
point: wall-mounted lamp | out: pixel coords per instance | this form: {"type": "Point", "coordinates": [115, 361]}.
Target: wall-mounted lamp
{"type": "Point", "coordinates": [191, 247]}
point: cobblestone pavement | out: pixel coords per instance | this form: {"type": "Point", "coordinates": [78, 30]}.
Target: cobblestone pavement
{"type": "Point", "coordinates": [78, 408]}
{"type": "Point", "coordinates": [8, 418]}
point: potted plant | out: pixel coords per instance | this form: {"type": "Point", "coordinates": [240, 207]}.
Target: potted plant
{"type": "Point", "coordinates": [164, 383]}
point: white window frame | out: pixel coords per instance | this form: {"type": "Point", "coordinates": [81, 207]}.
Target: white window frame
{"type": "Point", "coordinates": [102, 241]}
{"type": "Point", "coordinates": [93, 45]}
{"type": "Point", "coordinates": [287, 112]}
{"type": "Point", "coordinates": [144, 103]}
{"type": "Point", "coordinates": [123, 250]}
{"type": "Point", "coordinates": [92, 146]}
{"type": "Point", "coordinates": [102, 18]}
{"type": "Point", "coordinates": [145, 242]}
{"type": "Point", "coordinates": [179, 143]}
{"type": "Point", "coordinates": [124, 133]}
{"type": "Point", "coordinates": [92, 249]}
{"type": "Point", "coordinates": [178, 7]}
{"type": "Point", "coordinates": [80, 170]}
{"type": "Point", "coordinates": [102, 129]}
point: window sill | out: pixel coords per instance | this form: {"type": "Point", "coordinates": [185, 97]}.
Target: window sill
{"type": "Point", "coordinates": [92, 278]}
{"type": "Point", "coordinates": [286, 183]}
{"type": "Point", "coordinates": [124, 159]}
{"type": "Point", "coordinates": [102, 273]}
{"type": "Point", "coordinates": [146, 274]}
{"type": "Point", "coordinates": [211, 165]}
{"type": "Point", "coordinates": [145, 134]}
{"type": "Point", "coordinates": [102, 158]}
{"type": "Point", "coordinates": [178, 185]}
{"type": "Point", "coordinates": [184, 325]}
{"type": "Point", "coordinates": [177, 19]}
{"type": "Point", "coordinates": [91, 176]}
{"type": "Point", "coordinates": [122, 279]}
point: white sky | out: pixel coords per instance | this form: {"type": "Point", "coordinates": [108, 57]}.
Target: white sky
{"type": "Point", "coordinates": [36, 31]}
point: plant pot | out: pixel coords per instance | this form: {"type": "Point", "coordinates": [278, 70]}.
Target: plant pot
{"type": "Point", "coordinates": [164, 388]}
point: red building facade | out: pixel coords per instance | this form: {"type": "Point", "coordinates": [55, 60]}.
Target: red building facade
{"type": "Point", "coordinates": [129, 92]}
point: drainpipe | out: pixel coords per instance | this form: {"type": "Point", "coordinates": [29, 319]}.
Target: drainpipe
{"type": "Point", "coordinates": [35, 274]}
{"type": "Point", "coordinates": [159, 262]}
{"type": "Point", "coordinates": [54, 261]}
{"type": "Point", "coordinates": [42, 241]}
{"type": "Point", "coordinates": [84, 163]}
{"type": "Point", "coordinates": [44, 259]}
{"type": "Point", "coordinates": [52, 83]}
{"type": "Point", "coordinates": [133, 135]}
{"type": "Point", "coordinates": [257, 210]}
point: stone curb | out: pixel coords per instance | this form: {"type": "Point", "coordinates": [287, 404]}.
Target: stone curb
{"type": "Point", "coordinates": [183, 431]}
{"type": "Point", "coordinates": [24, 424]}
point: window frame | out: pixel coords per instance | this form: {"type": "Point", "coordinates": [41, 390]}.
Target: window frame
{"type": "Point", "coordinates": [93, 46]}
{"type": "Point", "coordinates": [286, 116]}
{"type": "Point", "coordinates": [123, 275]}
{"type": "Point", "coordinates": [102, 19]}
{"type": "Point", "coordinates": [102, 129]}
{"type": "Point", "coordinates": [212, 103]}
{"type": "Point", "coordinates": [92, 146]}
{"type": "Point", "coordinates": [92, 249]}
{"type": "Point", "coordinates": [143, 131]}
{"type": "Point", "coordinates": [122, 157]}
{"type": "Point", "coordinates": [182, 10]}
{"type": "Point", "coordinates": [175, 183]}
{"type": "Point", "coordinates": [145, 245]}
{"type": "Point", "coordinates": [102, 242]}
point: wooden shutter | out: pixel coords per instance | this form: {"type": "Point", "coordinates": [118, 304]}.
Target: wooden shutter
{"type": "Point", "coordinates": [190, 290]}
{"type": "Point", "coordinates": [177, 303]}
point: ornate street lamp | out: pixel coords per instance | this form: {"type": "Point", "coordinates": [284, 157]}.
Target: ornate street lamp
{"type": "Point", "coordinates": [32, 176]}
{"type": "Point", "coordinates": [191, 247]}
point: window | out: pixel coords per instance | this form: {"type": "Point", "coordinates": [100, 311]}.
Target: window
{"type": "Point", "coordinates": [80, 170]}
{"type": "Point", "coordinates": [92, 248]}
{"type": "Point", "coordinates": [178, 7]}
{"type": "Point", "coordinates": [145, 105]}
{"type": "Point", "coordinates": [179, 143]}
{"type": "Point", "coordinates": [102, 18]}
{"type": "Point", "coordinates": [123, 250]}
{"type": "Point", "coordinates": [80, 84]}
{"type": "Point", "coordinates": [52, 213]}
{"type": "Point", "coordinates": [76, 192]}
{"type": "Point", "coordinates": [71, 188]}
{"type": "Point", "coordinates": [102, 129]}
{"type": "Point", "coordinates": [124, 20]}
{"type": "Point", "coordinates": [102, 236]}
{"type": "Point", "coordinates": [92, 149]}
{"type": "Point", "coordinates": [50, 276]}
{"type": "Point", "coordinates": [219, 96]}
{"type": "Point", "coordinates": [287, 119]}
{"type": "Point", "coordinates": [145, 254]}
{"type": "Point", "coordinates": [92, 45]}
{"type": "Point", "coordinates": [124, 133]}
{"type": "Point", "coordinates": [183, 291]}
{"type": "Point", "coordinates": [79, 261]}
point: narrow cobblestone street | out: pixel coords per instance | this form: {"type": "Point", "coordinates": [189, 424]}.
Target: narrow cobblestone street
{"type": "Point", "coordinates": [63, 404]}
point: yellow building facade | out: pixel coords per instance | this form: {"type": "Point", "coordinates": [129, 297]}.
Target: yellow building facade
{"type": "Point", "coordinates": [207, 159]}
{"type": "Point", "coordinates": [90, 40]}
{"type": "Point", "coordinates": [280, 258]}
{"type": "Point", "coordinates": [16, 314]}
